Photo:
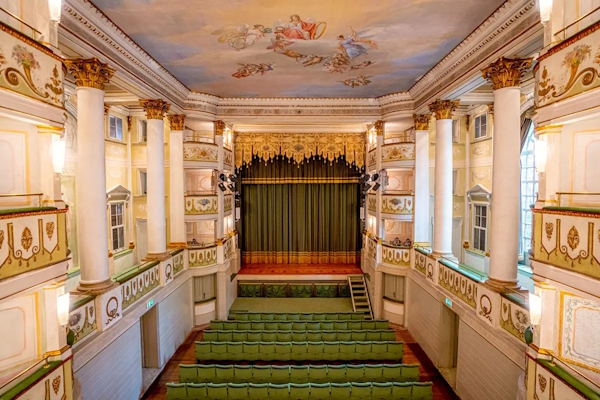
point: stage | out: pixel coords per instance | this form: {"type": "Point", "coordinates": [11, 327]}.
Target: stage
{"type": "Point", "coordinates": [297, 272]}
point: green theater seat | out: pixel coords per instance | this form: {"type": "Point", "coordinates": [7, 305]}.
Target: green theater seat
{"type": "Point", "coordinates": [359, 335]}
{"type": "Point", "coordinates": [255, 336]}
{"type": "Point", "coordinates": [274, 326]}
{"type": "Point", "coordinates": [224, 373]}
{"type": "Point", "coordinates": [331, 351]}
{"type": "Point", "coordinates": [313, 325]}
{"type": "Point", "coordinates": [379, 351]}
{"type": "Point", "coordinates": [258, 326]}
{"type": "Point", "coordinates": [315, 351]}
{"type": "Point", "coordinates": [392, 372]}
{"type": "Point", "coordinates": [235, 351]}
{"type": "Point", "coordinates": [254, 317]}
{"type": "Point", "coordinates": [368, 324]}
{"type": "Point", "coordinates": [258, 391]}
{"type": "Point", "coordinates": [361, 390]}
{"type": "Point", "coordinates": [382, 324]}
{"type": "Point", "coordinates": [225, 336]}
{"type": "Point", "coordinates": [299, 374]}
{"type": "Point", "coordinates": [347, 351]}
{"type": "Point", "coordinates": [210, 335]}
{"type": "Point", "coordinates": [341, 390]}
{"type": "Point", "coordinates": [320, 391]}
{"type": "Point", "coordinates": [203, 350]}
{"type": "Point", "coordinates": [314, 336]}
{"type": "Point", "coordinates": [373, 335]}
{"type": "Point", "coordinates": [239, 336]}
{"type": "Point", "coordinates": [306, 317]}
{"type": "Point", "coordinates": [216, 325]}
{"type": "Point", "coordinates": [355, 373]}
{"type": "Point", "coordinates": [216, 391]}
{"type": "Point", "coordinates": [283, 351]}
{"type": "Point", "coordinates": [196, 391]}
{"type": "Point", "coordinates": [261, 373]}
{"type": "Point", "coordinates": [388, 335]}
{"type": "Point", "coordinates": [336, 373]}
{"type": "Point", "coordinates": [241, 316]}
{"type": "Point", "coordinates": [284, 336]}
{"type": "Point", "coordinates": [396, 350]}
{"type": "Point", "coordinates": [299, 336]}
{"type": "Point", "coordinates": [340, 325]}
{"type": "Point", "coordinates": [251, 350]}
{"type": "Point", "coordinates": [331, 317]}
{"type": "Point", "coordinates": [237, 391]}
{"type": "Point", "coordinates": [381, 390]}
{"type": "Point", "coordinates": [244, 326]}
{"type": "Point", "coordinates": [206, 373]}
{"type": "Point", "coordinates": [242, 373]}
{"type": "Point", "coordinates": [280, 317]}
{"type": "Point", "coordinates": [299, 351]}
{"type": "Point", "coordinates": [401, 390]}
{"type": "Point", "coordinates": [344, 336]}
{"type": "Point", "coordinates": [285, 325]}
{"type": "Point", "coordinates": [373, 372]}
{"type": "Point", "coordinates": [317, 374]}
{"type": "Point", "coordinates": [278, 391]}
{"type": "Point", "coordinates": [267, 316]}
{"type": "Point", "coordinates": [354, 325]}
{"type": "Point", "coordinates": [176, 391]}
{"type": "Point", "coordinates": [299, 391]}
{"type": "Point", "coordinates": [229, 325]}
{"type": "Point", "coordinates": [280, 374]}
{"type": "Point", "coordinates": [318, 317]}
{"type": "Point", "coordinates": [409, 373]}
{"type": "Point", "coordinates": [363, 350]}
{"type": "Point", "coordinates": [422, 390]}
{"type": "Point", "coordinates": [329, 335]}
{"type": "Point", "coordinates": [299, 326]}
{"type": "Point", "coordinates": [358, 316]}
{"type": "Point", "coordinates": [269, 336]}
{"type": "Point", "coordinates": [327, 325]}
{"type": "Point", "coordinates": [266, 351]}
{"type": "Point", "coordinates": [187, 373]}
{"type": "Point", "coordinates": [293, 317]}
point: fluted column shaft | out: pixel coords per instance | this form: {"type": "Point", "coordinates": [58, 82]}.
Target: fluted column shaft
{"type": "Point", "coordinates": [421, 203]}
{"type": "Point", "coordinates": [176, 181]}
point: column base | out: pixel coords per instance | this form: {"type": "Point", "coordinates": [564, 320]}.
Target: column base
{"type": "Point", "coordinates": [157, 256]}
{"type": "Point", "coordinates": [96, 287]}
{"type": "Point", "coordinates": [498, 285]}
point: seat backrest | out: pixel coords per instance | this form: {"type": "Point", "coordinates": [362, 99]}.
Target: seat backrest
{"type": "Point", "coordinates": [299, 347]}
{"type": "Point", "coordinates": [344, 335]}
{"type": "Point", "coordinates": [242, 373]}
{"type": "Point", "coordinates": [355, 372]}
{"type": "Point", "coordinates": [402, 390]}
{"type": "Point", "coordinates": [299, 373]}
{"type": "Point", "coordinates": [284, 336]}
{"type": "Point", "coordinates": [216, 325]}
{"type": "Point", "coordinates": [237, 391]}
{"type": "Point", "coordinates": [261, 373]}
{"type": "Point", "coordinates": [317, 373]}
{"type": "Point", "coordinates": [241, 316]}
{"type": "Point", "coordinates": [216, 390]}
{"type": "Point", "coordinates": [224, 373]}
{"type": "Point", "coordinates": [382, 324]}
{"type": "Point", "coordinates": [361, 390]}
{"type": "Point", "coordinates": [340, 390]}
{"type": "Point", "coordinates": [326, 325]}
{"type": "Point", "coordinates": [331, 317]}
{"type": "Point", "coordinates": [336, 373]}
{"type": "Point", "coordinates": [266, 347]}
{"type": "Point", "coordinates": [318, 317]}
{"type": "Point", "coordinates": [299, 391]}
{"type": "Point", "coordinates": [269, 336]}
{"type": "Point", "coordinates": [391, 372]}
{"type": "Point", "coordinates": [258, 390]}
{"type": "Point", "coordinates": [306, 316]}
{"type": "Point", "coordinates": [267, 316]}
{"type": "Point", "coordinates": [210, 335]}
{"type": "Point", "coordinates": [176, 391]}
{"type": "Point", "coordinates": [278, 391]}
{"type": "Point", "coordinates": [274, 326]}
{"type": "Point", "coordinates": [422, 390]}
{"type": "Point", "coordinates": [244, 325]}
{"type": "Point", "coordinates": [320, 390]}
{"type": "Point", "coordinates": [258, 325]}
{"type": "Point", "coordinates": [188, 373]}
{"type": "Point", "coordinates": [196, 390]}
{"type": "Point", "coordinates": [381, 390]}
{"type": "Point", "coordinates": [229, 325]}
{"type": "Point", "coordinates": [280, 373]}
{"type": "Point", "coordinates": [373, 372]}
{"type": "Point", "coordinates": [254, 317]}
{"type": "Point", "coordinates": [354, 325]}
{"type": "Point", "coordinates": [225, 336]}
{"type": "Point", "coordinates": [240, 336]}
{"type": "Point", "coordinates": [313, 325]}
{"type": "Point", "coordinates": [299, 326]}
{"type": "Point", "coordinates": [410, 373]}
{"type": "Point", "coordinates": [293, 317]}
{"type": "Point", "coordinates": [206, 373]}
{"type": "Point", "coordinates": [329, 335]}
{"type": "Point", "coordinates": [280, 316]}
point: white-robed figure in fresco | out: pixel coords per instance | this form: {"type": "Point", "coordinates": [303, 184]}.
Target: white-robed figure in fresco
{"type": "Point", "coordinates": [350, 46]}
{"type": "Point", "coordinates": [241, 36]}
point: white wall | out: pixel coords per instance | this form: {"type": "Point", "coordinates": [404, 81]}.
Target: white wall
{"type": "Point", "coordinates": [423, 314]}
{"type": "Point", "coordinates": [175, 320]}
{"type": "Point", "coordinates": [116, 372]}
{"type": "Point", "coordinates": [483, 371]}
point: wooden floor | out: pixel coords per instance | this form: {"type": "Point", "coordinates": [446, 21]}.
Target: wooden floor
{"type": "Point", "coordinates": [413, 354]}
{"type": "Point", "coordinates": [299, 269]}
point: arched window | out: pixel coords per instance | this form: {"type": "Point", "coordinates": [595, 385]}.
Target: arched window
{"type": "Point", "coordinates": [529, 189]}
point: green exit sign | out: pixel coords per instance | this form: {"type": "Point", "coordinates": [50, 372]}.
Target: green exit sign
{"type": "Point", "coordinates": [150, 303]}
{"type": "Point", "coordinates": [448, 302]}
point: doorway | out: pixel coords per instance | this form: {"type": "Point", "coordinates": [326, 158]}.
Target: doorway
{"type": "Point", "coordinates": [448, 344]}
{"type": "Point", "coordinates": [150, 349]}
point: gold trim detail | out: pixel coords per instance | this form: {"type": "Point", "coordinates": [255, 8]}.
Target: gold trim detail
{"type": "Point", "coordinates": [31, 42]}
{"type": "Point", "coordinates": [421, 121]}
{"type": "Point", "coordinates": [279, 181]}
{"type": "Point", "coordinates": [90, 72]}
{"type": "Point", "coordinates": [443, 109]}
{"type": "Point", "coordinates": [219, 127]}
{"type": "Point", "coordinates": [379, 127]}
{"type": "Point", "coordinates": [155, 108]}
{"type": "Point", "coordinates": [129, 121]}
{"type": "Point", "coordinates": [506, 72]}
{"type": "Point", "coordinates": [176, 122]}
{"type": "Point", "coordinates": [563, 45]}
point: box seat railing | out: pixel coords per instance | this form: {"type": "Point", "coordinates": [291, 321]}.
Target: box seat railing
{"type": "Point", "coordinates": [338, 373]}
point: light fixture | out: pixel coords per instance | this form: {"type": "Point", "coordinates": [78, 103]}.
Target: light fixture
{"type": "Point", "coordinates": [222, 177]}
{"type": "Point", "coordinates": [62, 308]}
{"type": "Point", "coordinates": [364, 178]}
{"type": "Point", "coordinates": [374, 177]}
{"type": "Point", "coordinates": [535, 308]}
{"type": "Point", "coordinates": [231, 187]}
{"type": "Point", "coordinates": [55, 7]}
{"type": "Point", "coordinates": [222, 187]}
{"type": "Point", "coordinates": [540, 153]}
{"type": "Point", "coordinates": [233, 177]}
{"type": "Point", "coordinates": [58, 156]}
{"type": "Point", "coordinates": [375, 187]}
{"type": "Point", "coordinates": [545, 9]}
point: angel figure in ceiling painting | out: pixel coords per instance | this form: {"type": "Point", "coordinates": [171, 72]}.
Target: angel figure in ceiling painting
{"type": "Point", "coordinates": [353, 45]}
{"type": "Point", "coordinates": [241, 36]}
{"type": "Point", "coordinates": [297, 29]}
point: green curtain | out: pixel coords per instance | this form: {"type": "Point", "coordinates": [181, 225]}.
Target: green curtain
{"type": "Point", "coordinates": [300, 213]}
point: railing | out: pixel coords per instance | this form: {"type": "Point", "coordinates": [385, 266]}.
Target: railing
{"type": "Point", "coordinates": [202, 256]}
{"type": "Point", "coordinates": [39, 196]}
{"type": "Point", "coordinates": [136, 282]}
{"type": "Point", "coordinates": [82, 318]}
{"type": "Point", "coordinates": [564, 30]}
{"type": "Point", "coordinates": [458, 281]}
{"type": "Point", "coordinates": [195, 138]}
{"type": "Point", "coordinates": [13, 16]}
{"type": "Point", "coordinates": [201, 205]}
{"type": "Point", "coordinates": [400, 151]}
{"type": "Point", "coordinates": [395, 255]}
{"type": "Point", "coordinates": [26, 370]}
{"type": "Point", "coordinates": [514, 316]}
{"type": "Point", "coordinates": [559, 194]}
{"type": "Point", "coordinates": [397, 204]}
{"type": "Point", "coordinates": [200, 151]}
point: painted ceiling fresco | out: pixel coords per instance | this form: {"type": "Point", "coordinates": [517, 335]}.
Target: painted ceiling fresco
{"type": "Point", "coordinates": [298, 48]}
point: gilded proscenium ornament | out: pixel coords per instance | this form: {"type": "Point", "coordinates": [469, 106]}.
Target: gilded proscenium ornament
{"type": "Point", "coordinates": [379, 127]}
{"type": "Point", "coordinates": [421, 121]}
{"type": "Point", "coordinates": [176, 122]}
{"type": "Point", "coordinates": [155, 109]}
{"type": "Point", "coordinates": [443, 109]}
{"type": "Point", "coordinates": [506, 72]}
{"type": "Point", "coordinates": [219, 127]}
{"type": "Point", "coordinates": [90, 72]}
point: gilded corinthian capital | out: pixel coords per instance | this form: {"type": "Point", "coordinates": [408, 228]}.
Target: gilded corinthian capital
{"type": "Point", "coordinates": [506, 72]}
{"type": "Point", "coordinates": [91, 72]}
{"type": "Point", "coordinates": [421, 121]}
{"type": "Point", "coordinates": [219, 127]}
{"type": "Point", "coordinates": [443, 109]}
{"type": "Point", "coordinates": [176, 122]}
{"type": "Point", "coordinates": [379, 127]}
{"type": "Point", "coordinates": [155, 109]}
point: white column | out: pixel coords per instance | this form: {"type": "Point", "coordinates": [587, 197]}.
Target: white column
{"type": "Point", "coordinates": [421, 202]}
{"type": "Point", "coordinates": [176, 182]}
{"type": "Point", "coordinates": [506, 174]}
{"type": "Point", "coordinates": [219, 130]}
{"type": "Point", "coordinates": [379, 224]}
{"type": "Point", "coordinates": [92, 224]}
{"type": "Point", "coordinates": [155, 167]}
{"type": "Point", "coordinates": [442, 213]}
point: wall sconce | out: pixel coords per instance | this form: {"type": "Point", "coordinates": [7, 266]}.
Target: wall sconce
{"type": "Point", "coordinates": [541, 154]}
{"type": "Point", "coordinates": [62, 308]}
{"type": "Point", "coordinates": [535, 309]}
{"type": "Point", "coordinates": [58, 156]}
{"type": "Point", "coordinates": [55, 7]}
{"type": "Point", "coordinates": [545, 9]}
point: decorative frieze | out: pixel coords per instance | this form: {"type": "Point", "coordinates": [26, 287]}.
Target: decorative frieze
{"type": "Point", "coordinates": [201, 205]}
{"type": "Point", "coordinates": [91, 72]}
{"type": "Point", "coordinates": [395, 256]}
{"type": "Point", "coordinates": [397, 204]}
{"type": "Point", "coordinates": [155, 108]}
{"type": "Point", "coordinates": [398, 152]}
{"type": "Point", "coordinates": [204, 152]}
{"type": "Point", "coordinates": [177, 122]}
{"type": "Point", "coordinates": [202, 257]}
{"type": "Point", "coordinates": [488, 305]}
{"type": "Point", "coordinates": [458, 284]}
{"type": "Point", "coordinates": [109, 307]}
{"type": "Point", "coordinates": [506, 72]}
{"type": "Point", "coordinates": [443, 109]}
{"type": "Point", "coordinates": [140, 284]}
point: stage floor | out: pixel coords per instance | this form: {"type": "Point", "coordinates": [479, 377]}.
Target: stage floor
{"type": "Point", "coordinates": [299, 269]}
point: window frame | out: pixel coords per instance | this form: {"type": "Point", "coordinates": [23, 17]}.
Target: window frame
{"type": "Point", "coordinates": [142, 132]}
{"type": "Point", "coordinates": [118, 123]}
{"type": "Point", "coordinates": [115, 227]}
{"type": "Point", "coordinates": [477, 229]}
{"type": "Point", "coordinates": [144, 185]}
{"type": "Point", "coordinates": [529, 197]}
{"type": "Point", "coordinates": [485, 133]}
{"type": "Point", "coordinates": [456, 131]}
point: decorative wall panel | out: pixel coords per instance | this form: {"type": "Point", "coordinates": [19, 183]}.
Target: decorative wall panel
{"type": "Point", "coordinates": [397, 204]}
{"type": "Point", "coordinates": [372, 202]}
{"type": "Point", "coordinates": [202, 257]}
{"type": "Point", "coordinates": [395, 256]}
{"type": "Point", "coordinates": [82, 320]}
{"type": "Point", "coordinates": [227, 158]}
{"type": "Point", "coordinates": [139, 285]}
{"type": "Point", "coordinates": [458, 284]}
{"type": "Point", "coordinates": [488, 305]}
{"type": "Point", "coordinates": [227, 203]}
{"type": "Point", "coordinates": [199, 205]}
{"type": "Point", "coordinates": [548, 386]}
{"type": "Point", "coordinates": [50, 387]}
{"type": "Point", "coordinates": [579, 326]}
{"type": "Point", "coordinates": [372, 159]}
{"type": "Point", "coordinates": [371, 248]}
{"type": "Point", "coordinates": [28, 68]}
{"type": "Point", "coordinates": [420, 262]}
{"type": "Point", "coordinates": [299, 146]}
{"type": "Point", "coordinates": [18, 331]}
{"type": "Point", "coordinates": [398, 152]}
{"type": "Point", "coordinates": [206, 152]}
{"type": "Point", "coordinates": [13, 164]}
{"type": "Point", "coordinates": [514, 318]}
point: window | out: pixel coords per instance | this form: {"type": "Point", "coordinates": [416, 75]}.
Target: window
{"type": "Point", "coordinates": [455, 131]}
{"type": "Point", "coordinates": [481, 126]}
{"type": "Point", "coordinates": [480, 227]}
{"type": "Point", "coordinates": [393, 287]}
{"type": "Point", "coordinates": [455, 182]}
{"type": "Point", "coordinates": [204, 288]}
{"type": "Point", "coordinates": [117, 226]}
{"type": "Point", "coordinates": [529, 189]}
{"type": "Point", "coordinates": [116, 127]}
{"type": "Point", "coordinates": [143, 183]}
{"type": "Point", "coordinates": [143, 136]}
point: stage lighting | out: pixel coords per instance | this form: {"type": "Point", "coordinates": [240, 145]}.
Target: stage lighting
{"type": "Point", "coordinates": [374, 177]}
{"type": "Point", "coordinates": [376, 186]}
{"type": "Point", "coordinates": [222, 187]}
{"type": "Point", "coordinates": [231, 187]}
{"type": "Point", "coordinates": [222, 177]}
{"type": "Point", "coordinates": [363, 178]}
{"type": "Point", "coordinates": [233, 177]}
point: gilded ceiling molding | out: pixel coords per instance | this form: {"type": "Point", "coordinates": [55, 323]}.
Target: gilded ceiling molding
{"type": "Point", "coordinates": [491, 108]}
{"type": "Point", "coordinates": [155, 109]}
{"type": "Point", "coordinates": [421, 121]}
{"type": "Point", "coordinates": [219, 127]}
{"type": "Point", "coordinates": [443, 109]}
{"type": "Point", "coordinates": [176, 122]}
{"type": "Point", "coordinates": [299, 147]}
{"type": "Point", "coordinates": [379, 127]}
{"type": "Point", "coordinates": [90, 72]}
{"type": "Point", "coordinates": [506, 72]}
{"type": "Point", "coordinates": [129, 121]}
{"type": "Point", "coordinates": [106, 109]}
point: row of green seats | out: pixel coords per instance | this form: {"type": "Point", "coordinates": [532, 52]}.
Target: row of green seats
{"type": "Point", "coordinates": [215, 373]}
{"type": "Point", "coordinates": [298, 325]}
{"type": "Point", "coordinates": [296, 391]}
{"type": "Point", "coordinates": [299, 351]}
{"type": "Point", "coordinates": [253, 316]}
{"type": "Point", "coordinates": [298, 336]}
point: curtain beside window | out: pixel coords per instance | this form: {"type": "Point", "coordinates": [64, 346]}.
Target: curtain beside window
{"type": "Point", "coordinates": [300, 213]}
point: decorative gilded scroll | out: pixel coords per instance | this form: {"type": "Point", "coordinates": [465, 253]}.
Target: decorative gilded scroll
{"type": "Point", "coordinates": [372, 203]}
{"type": "Point", "coordinates": [228, 158]}
{"type": "Point", "coordinates": [205, 152]}
{"type": "Point", "coordinates": [568, 239]}
{"type": "Point", "coordinates": [395, 256]}
{"type": "Point", "coordinates": [28, 68]}
{"type": "Point", "coordinates": [398, 152]}
{"type": "Point", "coordinates": [420, 262]}
{"type": "Point", "coordinates": [202, 257]}
{"type": "Point", "coordinates": [200, 205]}
{"type": "Point", "coordinates": [514, 318]}
{"type": "Point", "coordinates": [299, 146]}
{"type": "Point", "coordinates": [139, 285]}
{"type": "Point", "coordinates": [372, 159]}
{"type": "Point", "coordinates": [397, 204]}
{"type": "Point", "coordinates": [227, 203]}
{"type": "Point", "coordinates": [82, 320]}
{"type": "Point", "coordinates": [31, 240]}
